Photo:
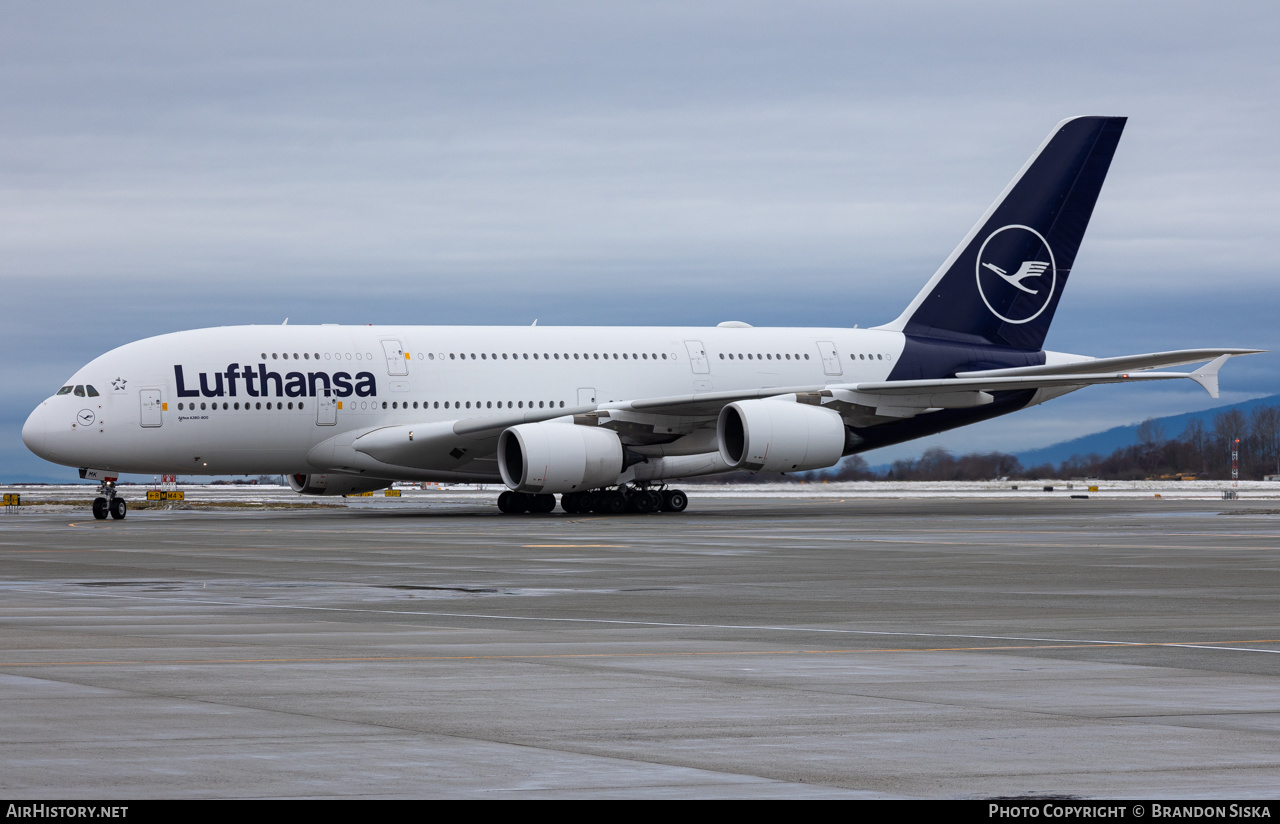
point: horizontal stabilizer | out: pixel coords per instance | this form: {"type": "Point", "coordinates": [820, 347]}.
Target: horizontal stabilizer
{"type": "Point", "coordinates": [1124, 363]}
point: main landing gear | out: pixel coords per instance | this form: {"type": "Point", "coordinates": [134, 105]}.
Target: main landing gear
{"type": "Point", "coordinates": [605, 501]}
{"type": "Point", "coordinates": [108, 503]}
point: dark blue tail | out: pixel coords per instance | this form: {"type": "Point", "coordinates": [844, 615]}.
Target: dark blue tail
{"type": "Point", "coordinates": [1002, 283]}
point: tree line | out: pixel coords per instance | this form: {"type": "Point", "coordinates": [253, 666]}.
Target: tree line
{"type": "Point", "coordinates": [1199, 451]}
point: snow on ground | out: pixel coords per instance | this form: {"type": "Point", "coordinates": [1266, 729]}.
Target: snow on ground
{"type": "Point", "coordinates": [74, 495]}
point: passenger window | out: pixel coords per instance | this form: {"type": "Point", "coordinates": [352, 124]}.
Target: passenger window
{"type": "Point", "coordinates": [79, 391]}
{"type": "Point", "coordinates": [66, 390]}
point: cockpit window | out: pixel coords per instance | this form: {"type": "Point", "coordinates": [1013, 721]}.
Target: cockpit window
{"type": "Point", "coordinates": [93, 393]}
{"type": "Point", "coordinates": [79, 391]}
{"type": "Point", "coordinates": [66, 390]}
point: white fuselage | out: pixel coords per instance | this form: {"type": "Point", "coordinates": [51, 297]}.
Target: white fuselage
{"type": "Point", "coordinates": [275, 421]}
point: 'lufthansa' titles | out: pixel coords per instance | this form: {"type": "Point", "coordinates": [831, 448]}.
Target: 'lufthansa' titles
{"type": "Point", "coordinates": [261, 383]}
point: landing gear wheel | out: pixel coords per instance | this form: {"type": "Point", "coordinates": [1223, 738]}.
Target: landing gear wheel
{"type": "Point", "coordinates": [542, 504]}
{"type": "Point", "coordinates": [674, 500]}
{"type": "Point", "coordinates": [118, 508]}
{"type": "Point", "coordinates": [613, 502]}
{"type": "Point", "coordinates": [505, 501]}
{"type": "Point", "coordinates": [100, 508]}
{"type": "Point", "coordinates": [642, 502]}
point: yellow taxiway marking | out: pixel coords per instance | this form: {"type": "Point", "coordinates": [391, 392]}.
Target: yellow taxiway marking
{"type": "Point", "coordinates": [571, 655]}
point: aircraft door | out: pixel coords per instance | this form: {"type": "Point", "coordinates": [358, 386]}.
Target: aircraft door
{"type": "Point", "coordinates": [326, 409]}
{"type": "Point", "coordinates": [397, 360]}
{"type": "Point", "coordinates": [830, 358]}
{"type": "Point", "coordinates": [152, 407]}
{"type": "Point", "coordinates": [586, 396]}
{"type": "Point", "coordinates": [698, 357]}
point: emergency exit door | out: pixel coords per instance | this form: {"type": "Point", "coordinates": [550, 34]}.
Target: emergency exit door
{"type": "Point", "coordinates": [697, 357]}
{"type": "Point", "coordinates": [830, 358]}
{"type": "Point", "coordinates": [152, 407]}
{"type": "Point", "coordinates": [397, 363]}
{"type": "Point", "coordinates": [326, 409]}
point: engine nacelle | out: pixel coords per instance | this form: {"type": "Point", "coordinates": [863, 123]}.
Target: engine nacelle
{"type": "Point", "coordinates": [334, 484]}
{"type": "Point", "coordinates": [558, 457]}
{"type": "Point", "coordinates": [777, 436]}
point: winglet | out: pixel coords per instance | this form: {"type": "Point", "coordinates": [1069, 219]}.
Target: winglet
{"type": "Point", "coordinates": [1207, 375]}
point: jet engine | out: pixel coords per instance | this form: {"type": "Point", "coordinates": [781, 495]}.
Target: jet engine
{"type": "Point", "coordinates": [777, 436]}
{"type": "Point", "coordinates": [558, 457]}
{"type": "Point", "coordinates": [334, 484]}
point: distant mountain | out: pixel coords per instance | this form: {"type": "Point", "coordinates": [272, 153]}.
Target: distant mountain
{"type": "Point", "coordinates": [1108, 441]}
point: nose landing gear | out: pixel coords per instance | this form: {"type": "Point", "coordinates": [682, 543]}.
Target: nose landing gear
{"type": "Point", "coordinates": [108, 503]}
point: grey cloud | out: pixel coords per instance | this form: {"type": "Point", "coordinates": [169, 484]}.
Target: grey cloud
{"type": "Point", "coordinates": [175, 165]}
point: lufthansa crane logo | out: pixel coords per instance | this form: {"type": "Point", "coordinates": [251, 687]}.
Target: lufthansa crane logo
{"type": "Point", "coordinates": [1016, 273]}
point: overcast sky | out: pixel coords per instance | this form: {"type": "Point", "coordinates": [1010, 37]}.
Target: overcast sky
{"type": "Point", "coordinates": [167, 166]}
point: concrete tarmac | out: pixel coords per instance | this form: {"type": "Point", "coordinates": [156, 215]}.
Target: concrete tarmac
{"type": "Point", "coordinates": [746, 648]}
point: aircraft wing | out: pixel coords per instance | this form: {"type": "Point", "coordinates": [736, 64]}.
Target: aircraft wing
{"type": "Point", "coordinates": [657, 419]}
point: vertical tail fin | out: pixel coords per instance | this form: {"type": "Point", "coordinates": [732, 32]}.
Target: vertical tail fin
{"type": "Point", "coordinates": [1002, 284]}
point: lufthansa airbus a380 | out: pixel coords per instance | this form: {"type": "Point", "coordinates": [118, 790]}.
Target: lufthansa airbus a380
{"type": "Point", "coordinates": [605, 416]}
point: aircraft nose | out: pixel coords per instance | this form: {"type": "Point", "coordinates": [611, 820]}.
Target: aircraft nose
{"type": "Point", "coordinates": [34, 431]}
